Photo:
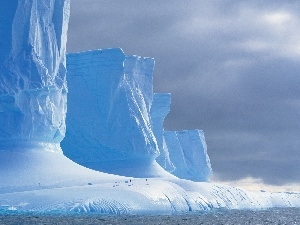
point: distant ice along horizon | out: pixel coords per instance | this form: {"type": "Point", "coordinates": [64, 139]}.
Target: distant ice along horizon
{"type": "Point", "coordinates": [114, 125]}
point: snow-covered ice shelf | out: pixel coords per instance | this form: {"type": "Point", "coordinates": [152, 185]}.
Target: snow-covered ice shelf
{"type": "Point", "coordinates": [116, 157]}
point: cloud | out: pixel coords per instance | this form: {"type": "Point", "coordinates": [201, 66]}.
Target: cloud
{"type": "Point", "coordinates": [232, 68]}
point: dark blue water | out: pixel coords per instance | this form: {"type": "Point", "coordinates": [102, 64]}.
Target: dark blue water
{"type": "Point", "coordinates": [272, 216]}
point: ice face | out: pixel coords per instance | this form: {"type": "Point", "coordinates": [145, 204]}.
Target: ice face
{"type": "Point", "coordinates": [108, 122]}
{"type": "Point", "coordinates": [32, 69]}
{"type": "Point", "coordinates": [112, 112]}
{"type": "Point", "coordinates": [182, 153]}
{"type": "Point", "coordinates": [195, 150]}
{"type": "Point", "coordinates": [159, 110]}
{"type": "Point", "coordinates": [188, 152]}
{"type": "Point", "coordinates": [139, 72]}
{"type": "Point", "coordinates": [34, 38]}
{"type": "Point", "coordinates": [176, 154]}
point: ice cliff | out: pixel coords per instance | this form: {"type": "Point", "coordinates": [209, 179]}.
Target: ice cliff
{"type": "Point", "coordinates": [182, 153]}
{"type": "Point", "coordinates": [108, 120]}
{"type": "Point", "coordinates": [110, 115]}
{"type": "Point", "coordinates": [187, 150]}
{"type": "Point", "coordinates": [33, 69]}
{"type": "Point", "coordinates": [115, 122]}
{"type": "Point", "coordinates": [159, 110]}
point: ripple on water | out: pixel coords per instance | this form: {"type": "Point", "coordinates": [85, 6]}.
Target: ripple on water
{"type": "Point", "coordinates": [271, 216]}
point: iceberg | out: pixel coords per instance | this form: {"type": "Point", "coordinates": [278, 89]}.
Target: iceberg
{"type": "Point", "coordinates": [115, 124]}
{"type": "Point", "coordinates": [114, 130]}
{"type": "Point", "coordinates": [109, 101]}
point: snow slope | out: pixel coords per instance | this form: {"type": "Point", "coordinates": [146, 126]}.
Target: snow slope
{"type": "Point", "coordinates": [141, 196]}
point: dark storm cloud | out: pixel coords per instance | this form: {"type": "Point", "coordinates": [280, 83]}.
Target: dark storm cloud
{"type": "Point", "coordinates": [233, 68]}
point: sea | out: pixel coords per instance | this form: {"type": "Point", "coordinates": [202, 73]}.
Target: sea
{"type": "Point", "coordinates": [276, 216]}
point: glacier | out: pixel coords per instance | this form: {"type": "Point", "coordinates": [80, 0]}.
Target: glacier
{"type": "Point", "coordinates": [116, 158]}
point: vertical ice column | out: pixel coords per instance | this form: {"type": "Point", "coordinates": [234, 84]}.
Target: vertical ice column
{"type": "Point", "coordinates": [195, 150]}
{"type": "Point", "coordinates": [176, 154]}
{"type": "Point", "coordinates": [188, 152]}
{"type": "Point", "coordinates": [7, 14]}
{"type": "Point", "coordinates": [33, 84]}
{"type": "Point", "coordinates": [139, 71]}
{"type": "Point", "coordinates": [159, 110]}
{"type": "Point", "coordinates": [108, 121]}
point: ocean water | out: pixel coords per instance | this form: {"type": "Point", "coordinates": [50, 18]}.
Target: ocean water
{"type": "Point", "coordinates": [277, 216]}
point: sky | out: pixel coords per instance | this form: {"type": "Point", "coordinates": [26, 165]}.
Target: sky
{"type": "Point", "coordinates": [232, 67]}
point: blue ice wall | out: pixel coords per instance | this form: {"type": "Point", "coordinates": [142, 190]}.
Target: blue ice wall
{"type": "Point", "coordinates": [176, 155]}
{"type": "Point", "coordinates": [33, 69]}
{"type": "Point", "coordinates": [33, 51]}
{"type": "Point", "coordinates": [115, 122]}
{"type": "Point", "coordinates": [139, 71]}
{"type": "Point", "coordinates": [182, 153]}
{"type": "Point", "coordinates": [188, 152]}
{"type": "Point", "coordinates": [108, 122]}
{"type": "Point", "coordinates": [159, 110]}
{"type": "Point", "coordinates": [7, 14]}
